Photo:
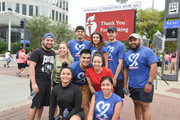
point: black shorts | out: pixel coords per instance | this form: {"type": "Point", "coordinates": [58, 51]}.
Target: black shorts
{"type": "Point", "coordinates": [118, 89]}
{"type": "Point", "coordinates": [43, 97]}
{"type": "Point", "coordinates": [81, 115]}
{"type": "Point", "coordinates": [139, 94]}
{"type": "Point", "coordinates": [21, 65]}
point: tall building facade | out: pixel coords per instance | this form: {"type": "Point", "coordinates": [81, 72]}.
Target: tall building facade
{"type": "Point", "coordinates": [12, 11]}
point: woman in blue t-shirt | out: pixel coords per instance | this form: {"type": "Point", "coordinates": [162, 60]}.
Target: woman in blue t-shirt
{"type": "Point", "coordinates": [105, 105]}
{"type": "Point", "coordinates": [97, 43]}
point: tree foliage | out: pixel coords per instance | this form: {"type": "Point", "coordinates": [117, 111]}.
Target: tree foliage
{"type": "Point", "coordinates": [40, 25]}
{"type": "Point", "coordinates": [62, 32]}
{"type": "Point", "coordinates": [148, 21]}
{"type": "Point", "coordinates": [3, 47]}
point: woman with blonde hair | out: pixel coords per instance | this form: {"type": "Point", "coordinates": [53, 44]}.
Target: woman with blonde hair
{"type": "Point", "coordinates": [63, 55]}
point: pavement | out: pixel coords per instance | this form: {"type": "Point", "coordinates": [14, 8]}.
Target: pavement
{"type": "Point", "coordinates": [14, 102]}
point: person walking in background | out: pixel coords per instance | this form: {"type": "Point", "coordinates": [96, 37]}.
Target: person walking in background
{"type": "Point", "coordinates": [76, 45]}
{"type": "Point", "coordinates": [97, 43]}
{"type": "Point", "coordinates": [8, 58]}
{"type": "Point", "coordinates": [105, 105]}
{"type": "Point", "coordinates": [67, 96]}
{"type": "Point", "coordinates": [79, 78]}
{"type": "Point", "coordinates": [21, 57]}
{"type": "Point", "coordinates": [40, 69]}
{"type": "Point", "coordinates": [140, 65]}
{"type": "Point", "coordinates": [95, 73]}
{"type": "Point", "coordinates": [173, 57]}
{"type": "Point", "coordinates": [116, 53]}
{"type": "Point", "coordinates": [166, 60]}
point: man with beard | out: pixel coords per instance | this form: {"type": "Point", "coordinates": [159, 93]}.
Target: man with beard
{"type": "Point", "coordinates": [140, 64]}
{"type": "Point", "coordinates": [76, 45]}
{"type": "Point", "coordinates": [79, 78]}
{"type": "Point", "coordinates": [40, 68]}
{"type": "Point", "coordinates": [116, 53]}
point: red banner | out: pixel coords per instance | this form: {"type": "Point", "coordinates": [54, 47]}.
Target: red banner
{"type": "Point", "coordinates": [122, 20]}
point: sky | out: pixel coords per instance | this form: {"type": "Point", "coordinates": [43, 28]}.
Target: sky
{"type": "Point", "coordinates": [76, 7]}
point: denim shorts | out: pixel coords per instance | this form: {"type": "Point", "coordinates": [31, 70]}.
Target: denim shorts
{"type": "Point", "coordinates": [139, 94]}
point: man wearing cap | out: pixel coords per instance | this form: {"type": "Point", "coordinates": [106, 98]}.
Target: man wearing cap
{"type": "Point", "coordinates": [140, 65]}
{"type": "Point", "coordinates": [76, 45]}
{"type": "Point", "coordinates": [41, 65]}
{"type": "Point", "coordinates": [116, 53]}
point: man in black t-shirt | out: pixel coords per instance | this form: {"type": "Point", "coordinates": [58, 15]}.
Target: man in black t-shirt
{"type": "Point", "coordinates": [40, 68]}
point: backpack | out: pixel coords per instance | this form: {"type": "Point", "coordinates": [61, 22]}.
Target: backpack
{"type": "Point", "coordinates": [173, 55]}
{"type": "Point", "coordinates": [17, 55]}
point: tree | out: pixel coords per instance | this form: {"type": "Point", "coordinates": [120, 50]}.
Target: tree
{"type": "Point", "coordinates": [148, 21]}
{"type": "Point", "coordinates": [3, 47]}
{"type": "Point", "coordinates": [62, 32]}
{"type": "Point", "coordinates": [38, 26]}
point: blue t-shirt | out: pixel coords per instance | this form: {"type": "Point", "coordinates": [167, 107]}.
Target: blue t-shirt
{"type": "Point", "coordinates": [79, 77]}
{"type": "Point", "coordinates": [138, 62]}
{"type": "Point", "coordinates": [116, 51]}
{"type": "Point", "coordinates": [104, 108]}
{"type": "Point", "coordinates": [94, 49]}
{"type": "Point", "coordinates": [76, 46]}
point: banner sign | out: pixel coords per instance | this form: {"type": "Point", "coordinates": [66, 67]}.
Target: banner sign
{"type": "Point", "coordinates": [128, 6]}
{"type": "Point", "coordinates": [124, 21]}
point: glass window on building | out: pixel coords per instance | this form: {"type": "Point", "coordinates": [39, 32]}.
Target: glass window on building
{"type": "Point", "coordinates": [30, 10]}
{"type": "Point", "coordinates": [24, 9]}
{"type": "Point", "coordinates": [0, 6]}
{"type": "Point", "coordinates": [66, 18]}
{"type": "Point", "coordinates": [10, 6]}
{"type": "Point", "coordinates": [53, 14]}
{"type": "Point", "coordinates": [60, 17]}
{"type": "Point", "coordinates": [60, 6]}
{"type": "Point", "coordinates": [44, 11]}
{"type": "Point", "coordinates": [66, 6]}
{"type": "Point", "coordinates": [49, 13]}
{"type": "Point", "coordinates": [3, 6]}
{"type": "Point", "coordinates": [37, 10]}
{"type": "Point", "coordinates": [63, 5]}
{"type": "Point", "coordinates": [63, 17]}
{"type": "Point", "coordinates": [17, 7]}
{"type": "Point", "coordinates": [56, 15]}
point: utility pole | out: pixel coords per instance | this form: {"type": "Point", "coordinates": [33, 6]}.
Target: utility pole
{"type": "Point", "coordinates": [152, 3]}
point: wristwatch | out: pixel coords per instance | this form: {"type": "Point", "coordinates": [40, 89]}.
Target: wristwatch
{"type": "Point", "coordinates": [149, 82]}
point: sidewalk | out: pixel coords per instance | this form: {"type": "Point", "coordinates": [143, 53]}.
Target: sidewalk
{"type": "Point", "coordinates": [165, 106]}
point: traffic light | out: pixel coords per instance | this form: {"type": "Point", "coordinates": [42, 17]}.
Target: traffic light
{"type": "Point", "coordinates": [22, 24]}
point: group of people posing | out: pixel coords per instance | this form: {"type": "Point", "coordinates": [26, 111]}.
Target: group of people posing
{"type": "Point", "coordinates": [89, 77]}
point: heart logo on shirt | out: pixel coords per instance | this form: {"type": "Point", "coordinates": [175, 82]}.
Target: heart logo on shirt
{"type": "Point", "coordinates": [79, 47]}
{"type": "Point", "coordinates": [110, 50]}
{"type": "Point", "coordinates": [102, 108]}
{"type": "Point", "coordinates": [133, 58]}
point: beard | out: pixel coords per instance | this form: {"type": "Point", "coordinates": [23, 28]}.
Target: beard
{"type": "Point", "coordinates": [135, 48]}
{"type": "Point", "coordinates": [46, 47]}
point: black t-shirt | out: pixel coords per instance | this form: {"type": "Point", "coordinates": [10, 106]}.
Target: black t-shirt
{"type": "Point", "coordinates": [69, 97]}
{"type": "Point", "coordinates": [45, 60]}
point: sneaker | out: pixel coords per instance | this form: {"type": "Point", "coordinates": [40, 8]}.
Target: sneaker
{"type": "Point", "coordinates": [4, 65]}
{"type": "Point", "coordinates": [18, 74]}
